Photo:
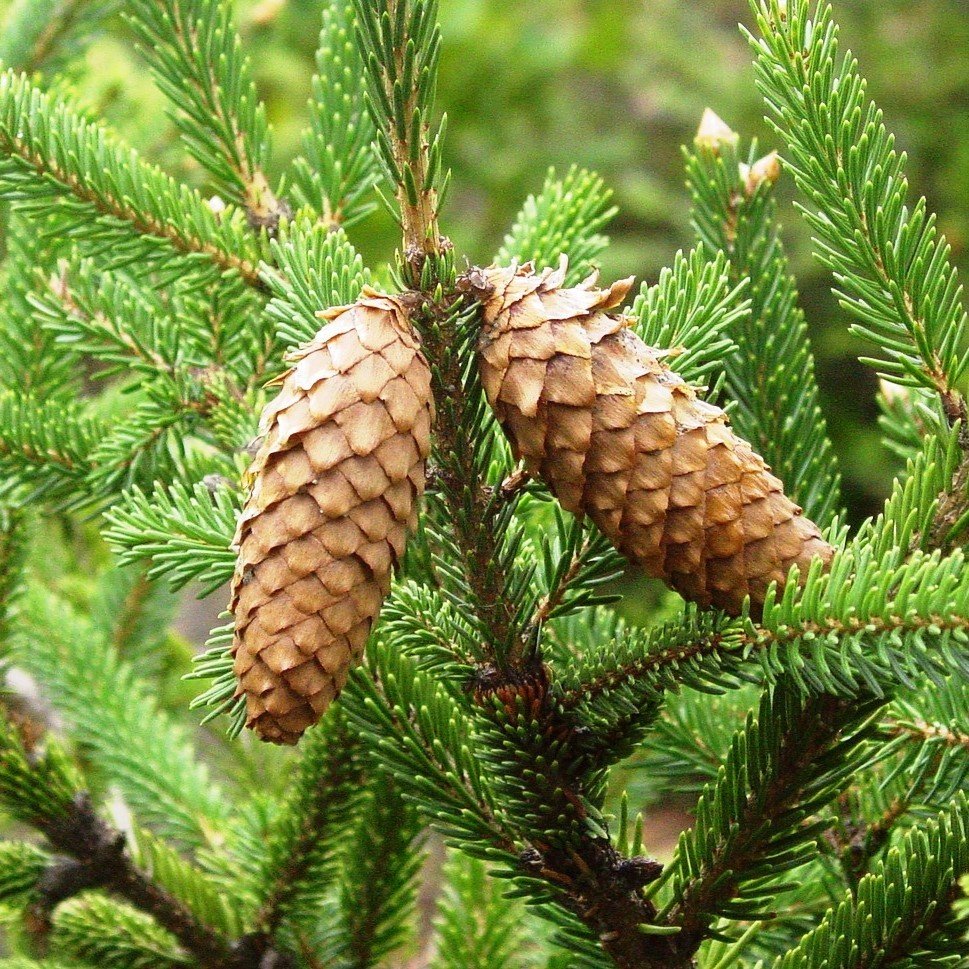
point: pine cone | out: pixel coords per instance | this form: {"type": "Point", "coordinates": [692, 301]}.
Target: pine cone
{"type": "Point", "coordinates": [334, 491]}
{"type": "Point", "coordinates": [620, 437]}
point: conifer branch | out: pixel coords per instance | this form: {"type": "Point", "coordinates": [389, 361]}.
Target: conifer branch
{"type": "Point", "coordinates": [472, 517]}
{"type": "Point", "coordinates": [29, 361]}
{"type": "Point", "coordinates": [757, 822]}
{"type": "Point", "coordinates": [400, 44]}
{"type": "Point", "coordinates": [409, 716]}
{"type": "Point", "coordinates": [98, 930]}
{"type": "Point", "coordinates": [12, 555]}
{"type": "Point", "coordinates": [102, 699]}
{"type": "Point", "coordinates": [891, 266]}
{"type": "Point", "coordinates": [338, 168]}
{"type": "Point", "coordinates": [549, 788]}
{"type": "Point", "coordinates": [45, 449]}
{"type": "Point", "coordinates": [184, 534]}
{"type": "Point", "coordinates": [920, 730]}
{"type": "Point", "coordinates": [304, 842]}
{"type": "Point", "coordinates": [109, 183]}
{"type": "Point", "coordinates": [478, 925]}
{"type": "Point", "coordinates": [196, 56]}
{"type": "Point", "coordinates": [718, 653]}
{"type": "Point", "coordinates": [693, 313]}
{"type": "Point", "coordinates": [565, 218]}
{"type": "Point", "coordinates": [100, 850]}
{"type": "Point", "coordinates": [380, 864]}
{"type": "Point", "coordinates": [902, 914]}
{"type": "Point", "coordinates": [770, 378]}
{"type": "Point", "coordinates": [44, 791]}
{"type": "Point", "coordinates": [318, 267]}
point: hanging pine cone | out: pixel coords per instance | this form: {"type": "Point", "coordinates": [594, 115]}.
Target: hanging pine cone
{"type": "Point", "coordinates": [334, 491]}
{"type": "Point", "coordinates": [620, 437]}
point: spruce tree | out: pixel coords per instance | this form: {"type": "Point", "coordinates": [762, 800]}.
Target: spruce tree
{"type": "Point", "coordinates": [171, 356]}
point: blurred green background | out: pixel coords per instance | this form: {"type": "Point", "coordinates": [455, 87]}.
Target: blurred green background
{"type": "Point", "coordinates": [617, 86]}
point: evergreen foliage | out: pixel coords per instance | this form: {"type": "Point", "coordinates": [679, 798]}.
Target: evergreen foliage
{"type": "Point", "coordinates": [509, 704]}
{"type": "Point", "coordinates": [197, 59]}
{"type": "Point", "coordinates": [770, 376]}
{"type": "Point", "coordinates": [891, 266]}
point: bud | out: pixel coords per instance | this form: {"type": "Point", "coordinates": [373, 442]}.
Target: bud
{"type": "Point", "coordinates": [714, 133]}
{"type": "Point", "coordinates": [766, 170]}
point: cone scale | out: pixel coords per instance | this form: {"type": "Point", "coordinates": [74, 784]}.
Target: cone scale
{"type": "Point", "coordinates": [618, 436]}
{"type": "Point", "coordinates": [334, 491]}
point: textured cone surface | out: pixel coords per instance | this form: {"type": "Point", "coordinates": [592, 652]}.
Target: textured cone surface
{"type": "Point", "coordinates": [334, 492]}
{"type": "Point", "coordinates": [620, 437]}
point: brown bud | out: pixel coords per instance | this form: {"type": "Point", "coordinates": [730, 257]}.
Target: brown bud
{"type": "Point", "coordinates": [766, 170]}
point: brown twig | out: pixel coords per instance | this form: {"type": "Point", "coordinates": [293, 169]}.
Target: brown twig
{"type": "Point", "coordinates": [97, 858]}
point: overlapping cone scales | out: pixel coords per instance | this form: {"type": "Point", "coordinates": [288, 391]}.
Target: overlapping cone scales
{"type": "Point", "coordinates": [620, 437]}
{"type": "Point", "coordinates": [334, 491]}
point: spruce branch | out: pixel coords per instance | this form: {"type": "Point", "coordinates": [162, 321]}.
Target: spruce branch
{"type": "Point", "coordinates": [691, 313]}
{"type": "Point", "coordinates": [184, 534]}
{"type": "Point", "coordinates": [422, 621]}
{"type": "Point", "coordinates": [43, 790]}
{"type": "Point", "coordinates": [318, 267]}
{"type": "Point", "coordinates": [469, 518]}
{"type": "Point", "coordinates": [478, 926]}
{"type": "Point", "coordinates": [101, 851]}
{"type": "Point", "coordinates": [926, 744]}
{"type": "Point", "coordinates": [891, 266]}
{"type": "Point", "coordinates": [770, 378]}
{"type": "Point", "coordinates": [29, 361]}
{"type": "Point", "coordinates": [632, 656]}
{"type": "Point", "coordinates": [13, 549]}
{"type": "Point", "coordinates": [216, 664]}
{"type": "Point", "coordinates": [377, 887]}
{"type": "Point", "coordinates": [107, 316]}
{"type": "Point", "coordinates": [50, 152]}
{"type": "Point", "coordinates": [400, 44]}
{"type": "Point", "coordinates": [565, 218]}
{"type": "Point", "coordinates": [617, 688]}
{"type": "Point", "coordinates": [575, 563]}
{"type": "Point", "coordinates": [101, 698]}
{"type": "Point", "coordinates": [152, 443]}
{"type": "Point", "coordinates": [422, 733]}
{"type": "Point", "coordinates": [98, 931]}
{"type": "Point", "coordinates": [550, 789]}
{"type": "Point", "coordinates": [304, 853]}
{"type": "Point", "coordinates": [424, 736]}
{"type": "Point", "coordinates": [45, 449]}
{"type": "Point", "coordinates": [22, 866]}
{"type": "Point", "coordinates": [204, 895]}
{"type": "Point", "coordinates": [38, 784]}
{"type": "Point", "coordinates": [758, 821]}
{"type": "Point", "coordinates": [196, 58]}
{"type": "Point", "coordinates": [338, 168]}
{"type": "Point", "coordinates": [902, 914]}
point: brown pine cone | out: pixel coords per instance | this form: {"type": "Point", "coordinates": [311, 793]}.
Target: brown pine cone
{"type": "Point", "coordinates": [335, 487]}
{"type": "Point", "coordinates": [620, 437]}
